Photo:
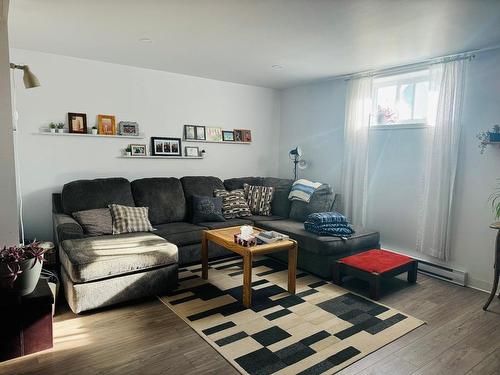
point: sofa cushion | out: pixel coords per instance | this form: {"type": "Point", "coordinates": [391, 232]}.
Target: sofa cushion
{"type": "Point", "coordinates": [95, 222]}
{"type": "Point", "coordinates": [202, 186]}
{"type": "Point", "coordinates": [234, 203]}
{"type": "Point", "coordinates": [321, 201]}
{"type": "Point", "coordinates": [84, 195]}
{"type": "Point", "coordinates": [280, 204]}
{"type": "Point", "coordinates": [130, 219]}
{"type": "Point", "coordinates": [180, 233]}
{"type": "Point", "coordinates": [207, 209]}
{"type": "Point", "coordinates": [258, 218]}
{"type": "Point", "coordinates": [226, 224]}
{"type": "Point", "coordinates": [324, 245]}
{"type": "Point", "coordinates": [96, 258]}
{"type": "Point", "coordinates": [164, 197]}
{"type": "Point", "coordinates": [237, 183]}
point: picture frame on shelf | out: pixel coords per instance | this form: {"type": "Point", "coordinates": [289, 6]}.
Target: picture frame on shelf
{"type": "Point", "coordinates": [238, 135]}
{"type": "Point", "coordinates": [200, 133]}
{"type": "Point", "coordinates": [191, 151]}
{"type": "Point", "coordinates": [128, 128]}
{"type": "Point", "coordinates": [165, 146]}
{"type": "Point", "coordinates": [77, 122]}
{"type": "Point", "coordinates": [214, 134]}
{"type": "Point", "coordinates": [247, 136]}
{"type": "Point", "coordinates": [227, 136]}
{"type": "Point", "coordinates": [190, 132]}
{"type": "Point", "coordinates": [138, 150]}
{"type": "Point", "coordinates": [106, 124]}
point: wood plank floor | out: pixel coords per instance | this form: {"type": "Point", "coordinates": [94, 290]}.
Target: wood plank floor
{"type": "Point", "coordinates": [147, 338]}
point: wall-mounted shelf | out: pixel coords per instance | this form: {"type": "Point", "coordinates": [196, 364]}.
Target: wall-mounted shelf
{"type": "Point", "coordinates": [159, 157]}
{"type": "Point", "coordinates": [141, 136]}
{"type": "Point", "coordinates": [224, 142]}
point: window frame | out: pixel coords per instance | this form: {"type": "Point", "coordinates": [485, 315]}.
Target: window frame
{"type": "Point", "coordinates": [398, 81]}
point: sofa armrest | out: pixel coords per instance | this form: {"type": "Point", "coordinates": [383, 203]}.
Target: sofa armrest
{"type": "Point", "coordinates": [66, 228]}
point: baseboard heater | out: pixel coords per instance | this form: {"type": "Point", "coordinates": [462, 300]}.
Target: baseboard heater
{"type": "Point", "coordinates": [442, 272]}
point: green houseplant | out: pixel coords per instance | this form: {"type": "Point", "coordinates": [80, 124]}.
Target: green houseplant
{"type": "Point", "coordinates": [52, 127]}
{"type": "Point", "coordinates": [20, 268]}
{"type": "Point", "coordinates": [60, 127]}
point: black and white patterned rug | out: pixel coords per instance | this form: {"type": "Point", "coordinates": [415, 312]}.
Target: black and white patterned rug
{"type": "Point", "coordinates": [321, 329]}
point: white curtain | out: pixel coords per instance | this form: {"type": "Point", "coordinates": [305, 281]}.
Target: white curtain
{"type": "Point", "coordinates": [446, 92]}
{"type": "Point", "coordinates": [355, 165]}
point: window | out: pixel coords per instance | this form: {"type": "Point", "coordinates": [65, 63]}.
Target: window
{"type": "Point", "coordinates": [400, 99]}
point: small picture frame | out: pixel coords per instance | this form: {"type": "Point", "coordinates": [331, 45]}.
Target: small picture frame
{"type": "Point", "coordinates": [238, 135]}
{"type": "Point", "coordinates": [161, 146]}
{"type": "Point", "coordinates": [200, 133]}
{"type": "Point", "coordinates": [138, 150]}
{"type": "Point", "coordinates": [106, 124]}
{"type": "Point", "coordinates": [228, 136]}
{"type": "Point", "coordinates": [190, 132]}
{"type": "Point", "coordinates": [128, 128]}
{"type": "Point", "coordinates": [247, 136]}
{"type": "Point", "coordinates": [214, 134]}
{"type": "Point", "coordinates": [191, 151]}
{"type": "Point", "coordinates": [77, 123]}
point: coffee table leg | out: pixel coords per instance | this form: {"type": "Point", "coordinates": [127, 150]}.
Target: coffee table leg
{"type": "Point", "coordinates": [247, 280]}
{"type": "Point", "coordinates": [292, 268]}
{"type": "Point", "coordinates": [204, 257]}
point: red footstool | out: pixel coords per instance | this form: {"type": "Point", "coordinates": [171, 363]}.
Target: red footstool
{"type": "Point", "coordinates": [372, 266]}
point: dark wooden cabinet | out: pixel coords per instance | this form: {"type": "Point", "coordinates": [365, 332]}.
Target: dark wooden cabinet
{"type": "Point", "coordinates": [26, 322]}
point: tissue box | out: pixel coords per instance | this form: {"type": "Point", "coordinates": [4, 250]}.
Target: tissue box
{"type": "Point", "coordinates": [246, 243]}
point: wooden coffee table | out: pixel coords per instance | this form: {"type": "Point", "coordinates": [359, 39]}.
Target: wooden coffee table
{"type": "Point", "coordinates": [225, 238]}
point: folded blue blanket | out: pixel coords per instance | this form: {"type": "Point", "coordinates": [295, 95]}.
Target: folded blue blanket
{"type": "Point", "coordinates": [340, 230]}
{"type": "Point", "coordinates": [327, 218]}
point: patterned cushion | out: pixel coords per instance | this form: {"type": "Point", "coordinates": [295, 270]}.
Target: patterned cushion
{"type": "Point", "coordinates": [259, 199]}
{"type": "Point", "coordinates": [233, 203]}
{"type": "Point", "coordinates": [130, 219]}
{"type": "Point", "coordinates": [95, 222]}
{"type": "Point", "coordinates": [207, 209]}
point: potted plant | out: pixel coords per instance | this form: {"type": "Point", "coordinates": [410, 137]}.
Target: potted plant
{"type": "Point", "coordinates": [94, 130]}
{"type": "Point", "coordinates": [494, 134]}
{"type": "Point", "coordinates": [495, 202]}
{"type": "Point", "coordinates": [20, 268]}
{"type": "Point", "coordinates": [60, 127]}
{"type": "Point", "coordinates": [52, 127]}
{"type": "Point", "coordinates": [128, 151]}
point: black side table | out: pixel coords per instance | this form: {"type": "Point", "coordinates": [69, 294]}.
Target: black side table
{"type": "Point", "coordinates": [496, 267]}
{"type": "Point", "coordinates": [26, 322]}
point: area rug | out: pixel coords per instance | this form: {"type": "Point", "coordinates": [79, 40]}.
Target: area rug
{"type": "Point", "coordinates": [321, 329]}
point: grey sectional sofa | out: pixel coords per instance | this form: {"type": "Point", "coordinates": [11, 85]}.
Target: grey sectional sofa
{"type": "Point", "coordinates": [104, 270]}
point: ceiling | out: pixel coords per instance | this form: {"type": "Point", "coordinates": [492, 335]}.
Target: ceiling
{"type": "Point", "coordinates": [240, 40]}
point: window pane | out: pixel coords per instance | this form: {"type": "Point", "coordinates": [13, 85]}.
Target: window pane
{"type": "Point", "coordinates": [421, 99]}
{"type": "Point", "coordinates": [386, 105]}
{"type": "Point", "coordinates": [405, 104]}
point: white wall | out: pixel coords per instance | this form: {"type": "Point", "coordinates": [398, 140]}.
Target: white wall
{"type": "Point", "coordinates": [160, 102]}
{"type": "Point", "coordinates": [9, 229]}
{"type": "Point", "coordinates": [313, 115]}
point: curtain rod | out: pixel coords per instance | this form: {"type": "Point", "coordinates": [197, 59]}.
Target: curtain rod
{"type": "Point", "coordinates": [436, 60]}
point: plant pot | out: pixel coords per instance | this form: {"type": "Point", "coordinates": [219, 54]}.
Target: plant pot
{"type": "Point", "coordinates": [60, 130]}
{"type": "Point", "coordinates": [494, 137]}
{"type": "Point", "coordinates": [52, 130]}
{"type": "Point", "coordinates": [129, 153]}
{"type": "Point", "coordinates": [25, 282]}
{"type": "Point", "coordinates": [94, 131]}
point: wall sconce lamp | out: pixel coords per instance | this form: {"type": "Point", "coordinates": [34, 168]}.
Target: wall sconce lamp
{"type": "Point", "coordinates": [30, 80]}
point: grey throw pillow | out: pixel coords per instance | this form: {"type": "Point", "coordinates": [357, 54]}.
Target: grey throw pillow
{"type": "Point", "coordinates": [130, 219]}
{"type": "Point", "coordinates": [95, 222]}
{"type": "Point", "coordinates": [207, 209]}
{"type": "Point", "coordinates": [234, 203]}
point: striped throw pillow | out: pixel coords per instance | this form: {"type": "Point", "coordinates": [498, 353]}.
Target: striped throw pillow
{"type": "Point", "coordinates": [233, 203]}
{"type": "Point", "coordinates": [130, 219]}
{"type": "Point", "coordinates": [259, 199]}
{"type": "Point", "coordinates": [302, 190]}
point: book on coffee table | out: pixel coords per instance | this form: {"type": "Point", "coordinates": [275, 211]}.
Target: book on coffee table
{"type": "Point", "coordinates": [271, 236]}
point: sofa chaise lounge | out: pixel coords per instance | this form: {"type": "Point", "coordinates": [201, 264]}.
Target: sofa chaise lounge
{"type": "Point", "coordinates": [104, 270]}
